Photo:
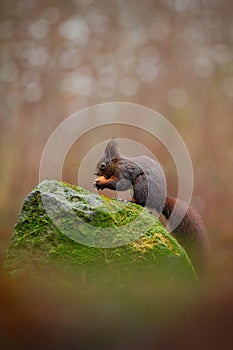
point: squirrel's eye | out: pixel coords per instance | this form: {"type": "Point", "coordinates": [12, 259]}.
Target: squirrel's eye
{"type": "Point", "coordinates": [102, 166]}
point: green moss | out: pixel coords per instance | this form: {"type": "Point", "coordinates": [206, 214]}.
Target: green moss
{"type": "Point", "coordinates": [57, 218]}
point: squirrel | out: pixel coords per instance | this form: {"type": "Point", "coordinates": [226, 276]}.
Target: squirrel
{"type": "Point", "coordinates": [146, 177]}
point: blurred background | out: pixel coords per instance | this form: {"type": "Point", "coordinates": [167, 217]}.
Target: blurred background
{"type": "Point", "coordinates": [175, 56]}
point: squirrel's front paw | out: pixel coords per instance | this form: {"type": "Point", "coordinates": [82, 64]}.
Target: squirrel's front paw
{"type": "Point", "coordinates": [98, 186]}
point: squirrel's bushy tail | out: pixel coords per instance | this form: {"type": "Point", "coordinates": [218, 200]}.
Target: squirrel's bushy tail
{"type": "Point", "coordinates": [190, 233]}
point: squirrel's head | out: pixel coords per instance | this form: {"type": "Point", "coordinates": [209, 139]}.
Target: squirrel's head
{"type": "Point", "coordinates": [107, 165]}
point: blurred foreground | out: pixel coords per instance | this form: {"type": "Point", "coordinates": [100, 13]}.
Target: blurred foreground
{"type": "Point", "coordinates": [42, 312]}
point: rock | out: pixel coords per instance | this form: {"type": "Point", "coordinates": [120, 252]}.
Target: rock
{"type": "Point", "coordinates": [66, 228]}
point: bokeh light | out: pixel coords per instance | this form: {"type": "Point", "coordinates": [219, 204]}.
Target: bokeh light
{"type": "Point", "coordinates": [177, 98]}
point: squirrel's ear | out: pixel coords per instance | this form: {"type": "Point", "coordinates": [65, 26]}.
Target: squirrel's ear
{"type": "Point", "coordinates": [111, 149]}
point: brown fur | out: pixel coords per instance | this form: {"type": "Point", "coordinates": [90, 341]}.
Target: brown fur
{"type": "Point", "coordinates": [147, 179]}
{"type": "Point", "coordinates": [190, 233]}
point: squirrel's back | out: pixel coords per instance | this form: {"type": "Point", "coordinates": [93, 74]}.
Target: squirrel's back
{"type": "Point", "coordinates": [150, 188]}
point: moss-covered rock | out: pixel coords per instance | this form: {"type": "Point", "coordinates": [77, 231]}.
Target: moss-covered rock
{"type": "Point", "coordinates": [66, 228]}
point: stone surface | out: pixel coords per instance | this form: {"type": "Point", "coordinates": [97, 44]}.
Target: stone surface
{"type": "Point", "coordinates": [66, 228]}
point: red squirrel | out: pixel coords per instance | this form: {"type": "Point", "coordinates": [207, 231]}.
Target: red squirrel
{"type": "Point", "coordinates": [146, 177]}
